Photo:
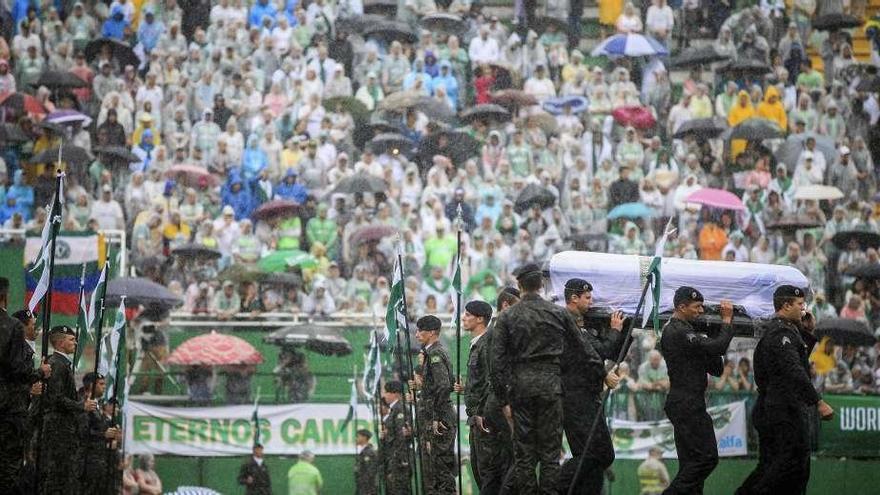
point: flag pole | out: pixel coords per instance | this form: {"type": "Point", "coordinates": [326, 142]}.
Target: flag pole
{"type": "Point", "coordinates": [77, 354]}
{"type": "Point", "coordinates": [458, 343]}
{"type": "Point", "coordinates": [100, 318]}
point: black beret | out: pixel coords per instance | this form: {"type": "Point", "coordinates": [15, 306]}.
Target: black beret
{"type": "Point", "coordinates": [62, 329]}
{"type": "Point", "coordinates": [365, 433]}
{"type": "Point", "coordinates": [394, 387]}
{"type": "Point", "coordinates": [527, 269]}
{"type": "Point", "coordinates": [479, 308]}
{"type": "Point", "coordinates": [23, 315]}
{"type": "Point", "coordinates": [789, 291]}
{"type": "Point", "coordinates": [513, 291]}
{"type": "Point", "coordinates": [578, 285]}
{"type": "Point", "coordinates": [429, 323]}
{"type": "Point", "coordinates": [685, 295]}
{"type": "Point", "coordinates": [92, 377]}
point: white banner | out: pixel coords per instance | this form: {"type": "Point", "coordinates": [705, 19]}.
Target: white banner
{"type": "Point", "coordinates": [633, 439]}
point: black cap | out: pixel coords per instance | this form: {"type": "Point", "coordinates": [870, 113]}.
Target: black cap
{"type": "Point", "coordinates": [526, 270]}
{"type": "Point", "coordinates": [62, 329]}
{"type": "Point", "coordinates": [789, 291]}
{"type": "Point", "coordinates": [513, 291]}
{"type": "Point", "coordinates": [394, 387]}
{"type": "Point", "coordinates": [686, 294]}
{"type": "Point", "coordinates": [91, 377]}
{"type": "Point", "coordinates": [365, 433]}
{"type": "Point", "coordinates": [429, 323]}
{"type": "Point", "coordinates": [578, 286]}
{"type": "Point", "coordinates": [23, 315]}
{"type": "Point", "coordinates": [479, 308]}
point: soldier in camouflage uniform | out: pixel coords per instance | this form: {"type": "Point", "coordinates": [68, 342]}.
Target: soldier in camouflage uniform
{"type": "Point", "coordinates": [59, 473]}
{"type": "Point", "coordinates": [365, 465]}
{"type": "Point", "coordinates": [96, 436]}
{"type": "Point", "coordinates": [394, 438]}
{"type": "Point", "coordinates": [528, 342]}
{"type": "Point", "coordinates": [439, 412]}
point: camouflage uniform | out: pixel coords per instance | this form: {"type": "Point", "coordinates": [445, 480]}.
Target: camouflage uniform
{"type": "Point", "coordinates": [437, 386]}
{"type": "Point", "coordinates": [365, 465]}
{"type": "Point", "coordinates": [60, 436]}
{"type": "Point", "coordinates": [495, 457]}
{"type": "Point", "coordinates": [395, 448]}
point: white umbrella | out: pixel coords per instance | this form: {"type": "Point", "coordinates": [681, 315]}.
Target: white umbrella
{"type": "Point", "coordinates": [818, 192]}
{"type": "Point", "coordinates": [629, 45]}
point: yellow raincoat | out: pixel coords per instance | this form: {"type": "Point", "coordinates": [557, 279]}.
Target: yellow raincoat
{"type": "Point", "coordinates": [741, 110]}
{"type": "Point", "coordinates": [771, 108]}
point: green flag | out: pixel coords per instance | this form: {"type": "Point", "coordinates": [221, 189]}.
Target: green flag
{"type": "Point", "coordinates": [653, 310]}
{"type": "Point", "coordinates": [255, 418]}
{"type": "Point", "coordinates": [115, 356]}
{"type": "Point", "coordinates": [394, 314]}
{"type": "Point", "coordinates": [82, 330]}
{"type": "Point", "coordinates": [352, 402]}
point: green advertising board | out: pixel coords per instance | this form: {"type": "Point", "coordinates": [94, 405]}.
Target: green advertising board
{"type": "Point", "coordinates": [854, 430]}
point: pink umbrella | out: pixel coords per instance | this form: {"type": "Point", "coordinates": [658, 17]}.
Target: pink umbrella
{"type": "Point", "coordinates": [215, 349]}
{"type": "Point", "coordinates": [716, 198]}
{"type": "Point", "coordinates": [192, 176]}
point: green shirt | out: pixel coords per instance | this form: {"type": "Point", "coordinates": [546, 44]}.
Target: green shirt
{"type": "Point", "coordinates": [440, 251]}
{"type": "Point", "coordinates": [323, 231]}
{"type": "Point", "coordinates": [812, 80]}
{"type": "Point", "coordinates": [304, 479]}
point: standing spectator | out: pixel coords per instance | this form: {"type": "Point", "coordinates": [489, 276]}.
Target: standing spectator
{"type": "Point", "coordinates": [304, 478]}
{"type": "Point", "coordinates": [148, 481]}
{"type": "Point", "coordinates": [652, 473]}
{"type": "Point", "coordinates": [254, 473]}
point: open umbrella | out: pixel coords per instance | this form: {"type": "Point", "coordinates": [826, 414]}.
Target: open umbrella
{"type": "Point", "coordinates": [191, 175]}
{"type": "Point", "coordinates": [196, 251]}
{"type": "Point", "coordinates": [638, 117]}
{"type": "Point", "coordinates": [869, 84]}
{"type": "Point", "coordinates": [68, 117]}
{"type": "Point", "coordinates": [12, 133]}
{"type": "Point", "coordinates": [276, 261]}
{"type": "Point", "coordinates": [320, 339]}
{"type": "Point", "coordinates": [716, 198]}
{"type": "Point", "coordinates": [390, 142]}
{"type": "Point", "coordinates": [693, 57]}
{"type": "Point", "coordinates": [282, 278]}
{"type": "Point", "coordinates": [141, 291]}
{"type": "Point", "coordinates": [833, 22]}
{"type": "Point", "coordinates": [302, 260]}
{"type": "Point", "coordinates": [486, 111]}
{"type": "Point", "coordinates": [349, 104]}
{"type": "Point", "coordinates": [544, 121]}
{"type": "Point", "coordinates": [360, 182]}
{"type": "Point", "coordinates": [117, 153]}
{"type": "Point", "coordinates": [276, 208]}
{"type": "Point", "coordinates": [379, 126]}
{"type": "Point", "coordinates": [794, 223]}
{"type": "Point", "coordinates": [372, 233]}
{"type": "Point", "coordinates": [442, 22]}
{"type": "Point", "coordinates": [391, 31]}
{"type": "Point", "coordinates": [534, 195]}
{"type": "Point", "coordinates": [844, 331]}
{"type": "Point", "coordinates": [631, 210]}
{"type": "Point", "coordinates": [556, 106]}
{"type": "Point", "coordinates": [513, 98]}
{"type": "Point", "coordinates": [22, 103]}
{"type": "Point", "coordinates": [869, 271]}
{"type": "Point", "coordinates": [506, 75]}
{"type": "Point", "coordinates": [121, 51]}
{"type": "Point", "coordinates": [790, 150]}
{"type": "Point", "coordinates": [702, 128]}
{"type": "Point", "coordinates": [456, 145]}
{"type": "Point", "coordinates": [56, 79]}
{"type": "Point", "coordinates": [541, 24]}
{"type": "Point", "coordinates": [239, 273]}
{"type": "Point", "coordinates": [402, 101]}
{"type": "Point", "coordinates": [385, 8]}
{"type": "Point", "coordinates": [215, 349]}
{"type": "Point", "coordinates": [756, 129]}
{"type": "Point", "coordinates": [864, 239]}
{"type": "Point", "coordinates": [71, 154]}
{"type": "Point", "coordinates": [629, 45]}
{"type": "Point", "coordinates": [743, 68]}
{"type": "Point", "coordinates": [357, 24]}
{"type": "Point", "coordinates": [818, 192]}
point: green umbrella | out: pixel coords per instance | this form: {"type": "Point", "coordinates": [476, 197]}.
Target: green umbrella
{"type": "Point", "coordinates": [239, 273]}
{"type": "Point", "coordinates": [276, 261]}
{"type": "Point", "coordinates": [302, 260]}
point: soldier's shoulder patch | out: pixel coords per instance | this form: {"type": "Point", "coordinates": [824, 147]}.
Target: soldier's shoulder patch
{"type": "Point", "coordinates": [436, 359]}
{"type": "Point", "coordinates": [690, 336]}
{"type": "Point", "coordinates": [400, 416]}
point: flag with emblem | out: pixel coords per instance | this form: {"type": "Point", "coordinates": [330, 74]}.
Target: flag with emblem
{"type": "Point", "coordinates": [372, 366]}
{"type": "Point", "coordinates": [394, 314]}
{"type": "Point", "coordinates": [72, 251]}
{"type": "Point", "coordinates": [352, 402]}
{"type": "Point", "coordinates": [652, 304]}
{"type": "Point", "coordinates": [40, 258]}
{"type": "Point", "coordinates": [82, 333]}
{"type": "Point", "coordinates": [113, 363]}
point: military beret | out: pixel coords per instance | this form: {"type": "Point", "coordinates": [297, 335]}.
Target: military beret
{"type": "Point", "coordinates": [578, 285]}
{"type": "Point", "coordinates": [685, 295]}
{"type": "Point", "coordinates": [526, 270]}
{"type": "Point", "coordinates": [62, 329]}
{"type": "Point", "coordinates": [394, 387]}
{"type": "Point", "coordinates": [513, 291]}
{"type": "Point", "coordinates": [365, 433]}
{"type": "Point", "coordinates": [789, 291]}
{"type": "Point", "coordinates": [92, 377]}
{"type": "Point", "coordinates": [479, 308]}
{"type": "Point", "coordinates": [429, 323]}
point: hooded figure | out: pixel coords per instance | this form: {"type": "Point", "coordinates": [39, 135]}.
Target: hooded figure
{"type": "Point", "coordinates": [21, 197]}
{"type": "Point", "coordinates": [772, 108]}
{"type": "Point", "coordinates": [288, 188]}
{"type": "Point", "coordinates": [447, 81]}
{"type": "Point", "coordinates": [255, 159]}
{"type": "Point", "coordinates": [741, 110]}
{"type": "Point", "coordinates": [631, 241]}
{"type": "Point", "coordinates": [236, 194]}
{"type": "Point", "coordinates": [115, 25]}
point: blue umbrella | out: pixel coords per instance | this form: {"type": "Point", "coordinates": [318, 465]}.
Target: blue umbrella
{"type": "Point", "coordinates": [629, 45]}
{"type": "Point", "coordinates": [556, 106]}
{"type": "Point", "coordinates": [631, 210]}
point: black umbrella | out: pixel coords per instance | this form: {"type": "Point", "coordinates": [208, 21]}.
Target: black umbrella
{"type": "Point", "coordinates": [358, 24]}
{"type": "Point", "coordinates": [381, 126]}
{"type": "Point", "coordinates": [120, 50]}
{"type": "Point", "coordinates": [693, 57]}
{"type": "Point", "coordinates": [392, 31]}
{"type": "Point", "coordinates": [756, 129]}
{"type": "Point", "coordinates": [74, 155]}
{"type": "Point", "coordinates": [456, 145]}
{"type": "Point", "coordinates": [534, 195]}
{"type": "Point", "coordinates": [320, 339]}
{"type": "Point", "coordinates": [199, 251]}
{"type": "Point", "coordinates": [845, 332]}
{"type": "Point", "coordinates": [141, 291]}
{"type": "Point", "coordinates": [833, 22]}
{"type": "Point", "coordinates": [487, 111]}
{"type": "Point", "coordinates": [282, 278]}
{"type": "Point", "coordinates": [56, 79]}
{"type": "Point", "coordinates": [55, 127]}
{"type": "Point", "coordinates": [349, 104]}
{"type": "Point", "coordinates": [793, 223]}
{"type": "Point", "coordinates": [385, 8]}
{"type": "Point", "coordinates": [117, 153]}
{"type": "Point", "coordinates": [869, 84]}
{"type": "Point", "coordinates": [442, 22]}
{"type": "Point", "coordinates": [390, 141]}
{"type": "Point", "coordinates": [703, 128]}
{"type": "Point", "coordinates": [360, 182]}
{"type": "Point", "coordinates": [402, 101]}
{"type": "Point", "coordinates": [742, 68]}
{"type": "Point", "coordinates": [12, 133]}
{"type": "Point", "coordinates": [865, 239]}
{"type": "Point", "coordinates": [868, 271]}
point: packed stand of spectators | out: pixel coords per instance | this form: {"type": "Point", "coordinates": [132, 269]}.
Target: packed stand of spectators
{"type": "Point", "coordinates": [227, 106]}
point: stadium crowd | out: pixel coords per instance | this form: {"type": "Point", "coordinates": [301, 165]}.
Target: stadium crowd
{"type": "Point", "coordinates": [283, 127]}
